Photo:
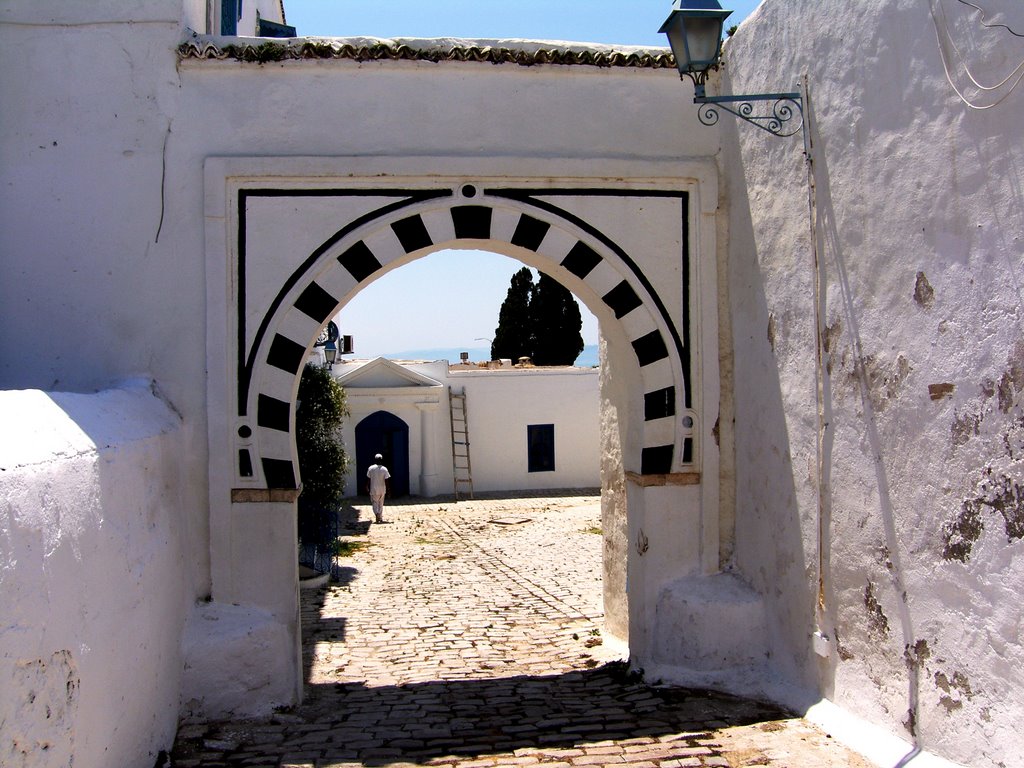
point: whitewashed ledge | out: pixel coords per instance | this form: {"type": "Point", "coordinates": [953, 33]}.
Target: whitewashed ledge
{"type": "Point", "coordinates": [262, 50]}
{"type": "Point", "coordinates": [312, 579]}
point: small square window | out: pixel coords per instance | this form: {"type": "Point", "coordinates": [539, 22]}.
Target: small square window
{"type": "Point", "coordinates": [540, 443]}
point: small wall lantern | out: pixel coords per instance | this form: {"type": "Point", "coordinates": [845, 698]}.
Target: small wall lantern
{"type": "Point", "coordinates": [694, 30]}
{"type": "Point", "coordinates": [328, 340]}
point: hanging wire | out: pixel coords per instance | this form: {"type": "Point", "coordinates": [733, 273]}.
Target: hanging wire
{"type": "Point", "coordinates": [984, 16]}
{"type": "Point", "coordinates": [961, 56]}
{"type": "Point", "coordinates": [1017, 71]}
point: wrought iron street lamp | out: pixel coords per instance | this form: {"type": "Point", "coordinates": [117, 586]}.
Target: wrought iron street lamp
{"type": "Point", "coordinates": [328, 340]}
{"type": "Point", "coordinates": [330, 353]}
{"type": "Point", "coordinates": [694, 30]}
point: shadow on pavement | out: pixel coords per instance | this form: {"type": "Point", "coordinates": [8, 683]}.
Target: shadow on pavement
{"type": "Point", "coordinates": [418, 722]}
{"type": "Point", "coordinates": [349, 523]}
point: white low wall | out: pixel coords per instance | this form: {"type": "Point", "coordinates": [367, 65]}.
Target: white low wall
{"type": "Point", "coordinates": [91, 578]}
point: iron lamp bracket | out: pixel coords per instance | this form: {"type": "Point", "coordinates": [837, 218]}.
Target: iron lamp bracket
{"type": "Point", "coordinates": [780, 114]}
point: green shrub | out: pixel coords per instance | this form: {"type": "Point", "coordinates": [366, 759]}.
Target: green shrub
{"type": "Point", "coordinates": [323, 461]}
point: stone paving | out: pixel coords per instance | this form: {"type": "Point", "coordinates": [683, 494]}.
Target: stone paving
{"type": "Point", "coordinates": [469, 635]}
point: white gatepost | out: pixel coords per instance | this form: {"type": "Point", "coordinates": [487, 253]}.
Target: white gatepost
{"type": "Point", "coordinates": [428, 463]}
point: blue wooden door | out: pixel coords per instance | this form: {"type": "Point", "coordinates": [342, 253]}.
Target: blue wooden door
{"type": "Point", "coordinates": [388, 435]}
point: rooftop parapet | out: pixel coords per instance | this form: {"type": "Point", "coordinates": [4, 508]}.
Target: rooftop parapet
{"type": "Point", "coordinates": [523, 52]}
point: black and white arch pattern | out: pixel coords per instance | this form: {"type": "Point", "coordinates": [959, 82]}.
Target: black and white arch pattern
{"type": "Point", "coordinates": [264, 439]}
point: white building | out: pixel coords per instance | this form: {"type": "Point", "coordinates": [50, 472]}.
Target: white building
{"type": "Point", "coordinates": [528, 428]}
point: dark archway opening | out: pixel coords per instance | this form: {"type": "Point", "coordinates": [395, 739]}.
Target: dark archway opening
{"type": "Point", "coordinates": [388, 435]}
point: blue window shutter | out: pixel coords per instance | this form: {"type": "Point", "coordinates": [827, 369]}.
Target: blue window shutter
{"type": "Point", "coordinates": [230, 13]}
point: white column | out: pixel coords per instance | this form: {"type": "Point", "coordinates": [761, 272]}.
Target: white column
{"type": "Point", "coordinates": [428, 470]}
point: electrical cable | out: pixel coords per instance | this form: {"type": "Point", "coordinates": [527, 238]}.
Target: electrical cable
{"type": "Point", "coordinates": [943, 55]}
{"type": "Point", "coordinates": [983, 17]}
{"type": "Point", "coordinates": [961, 56]}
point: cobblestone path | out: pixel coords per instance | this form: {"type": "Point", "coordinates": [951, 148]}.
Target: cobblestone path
{"type": "Point", "coordinates": [470, 634]}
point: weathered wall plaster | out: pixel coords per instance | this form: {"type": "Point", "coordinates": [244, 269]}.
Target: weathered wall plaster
{"type": "Point", "coordinates": [91, 586]}
{"type": "Point", "coordinates": [615, 384]}
{"type": "Point", "coordinates": [919, 212]}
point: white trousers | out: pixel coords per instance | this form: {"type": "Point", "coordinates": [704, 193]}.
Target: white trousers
{"type": "Point", "coordinates": [378, 507]}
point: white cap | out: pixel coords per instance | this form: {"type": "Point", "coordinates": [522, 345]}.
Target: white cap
{"type": "Point", "coordinates": [378, 456]}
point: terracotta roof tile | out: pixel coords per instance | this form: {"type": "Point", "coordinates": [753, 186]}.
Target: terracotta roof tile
{"type": "Point", "coordinates": [522, 52]}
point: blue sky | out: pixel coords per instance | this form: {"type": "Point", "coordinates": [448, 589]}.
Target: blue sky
{"type": "Point", "coordinates": [399, 312]}
{"type": "Point", "coordinates": [631, 22]}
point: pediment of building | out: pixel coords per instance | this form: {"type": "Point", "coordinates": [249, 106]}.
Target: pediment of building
{"type": "Point", "coordinates": [385, 374]}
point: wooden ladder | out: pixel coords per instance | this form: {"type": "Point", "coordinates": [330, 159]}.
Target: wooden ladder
{"type": "Point", "coordinates": [462, 468]}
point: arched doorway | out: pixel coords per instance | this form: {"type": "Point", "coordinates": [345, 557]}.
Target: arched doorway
{"type": "Point", "coordinates": [621, 244]}
{"type": "Point", "coordinates": [388, 435]}
{"type": "Point", "coordinates": [653, 347]}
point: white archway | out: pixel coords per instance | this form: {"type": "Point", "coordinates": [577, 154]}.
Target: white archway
{"type": "Point", "coordinates": [510, 222]}
{"type": "Point", "coordinates": [290, 241]}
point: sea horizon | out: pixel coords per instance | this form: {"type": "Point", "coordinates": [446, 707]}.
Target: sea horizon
{"type": "Point", "coordinates": [588, 358]}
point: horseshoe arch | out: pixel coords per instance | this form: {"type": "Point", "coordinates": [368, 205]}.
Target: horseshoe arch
{"type": "Point", "coordinates": [517, 222]}
{"type": "Point", "coordinates": [291, 240]}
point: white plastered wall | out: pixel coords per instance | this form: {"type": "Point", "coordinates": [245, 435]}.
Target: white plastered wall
{"type": "Point", "coordinates": [502, 404]}
{"type": "Point", "coordinates": [93, 595]}
{"type": "Point", "coordinates": [919, 213]}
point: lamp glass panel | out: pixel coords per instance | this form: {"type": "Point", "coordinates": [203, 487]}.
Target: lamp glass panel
{"type": "Point", "coordinates": [702, 40]}
{"type": "Point", "coordinates": [677, 41]}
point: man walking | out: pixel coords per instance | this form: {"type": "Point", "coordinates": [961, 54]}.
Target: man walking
{"type": "Point", "coordinates": [377, 477]}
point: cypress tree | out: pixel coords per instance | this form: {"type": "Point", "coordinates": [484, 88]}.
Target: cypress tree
{"type": "Point", "coordinates": [556, 324]}
{"type": "Point", "coordinates": [539, 321]}
{"type": "Point", "coordinates": [513, 338]}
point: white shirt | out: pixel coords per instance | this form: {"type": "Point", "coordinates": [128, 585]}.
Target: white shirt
{"type": "Point", "coordinates": [378, 473]}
